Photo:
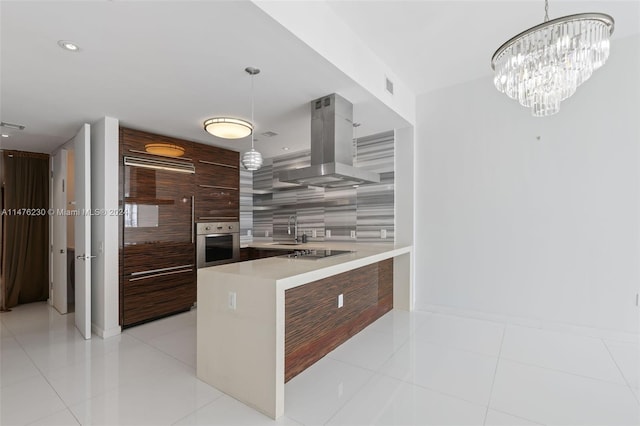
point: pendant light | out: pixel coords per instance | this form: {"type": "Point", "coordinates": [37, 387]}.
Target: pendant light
{"type": "Point", "coordinates": [252, 160]}
{"type": "Point", "coordinates": [544, 65]}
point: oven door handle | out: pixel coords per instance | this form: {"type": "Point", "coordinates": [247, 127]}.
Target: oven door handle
{"type": "Point", "coordinates": [219, 234]}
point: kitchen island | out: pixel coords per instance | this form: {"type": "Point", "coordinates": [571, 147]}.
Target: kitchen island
{"type": "Point", "coordinates": [246, 312]}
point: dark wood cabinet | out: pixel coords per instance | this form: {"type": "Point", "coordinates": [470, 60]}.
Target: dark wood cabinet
{"type": "Point", "coordinates": [217, 189]}
{"type": "Point", "coordinates": [157, 240]}
{"type": "Point", "coordinates": [314, 325]}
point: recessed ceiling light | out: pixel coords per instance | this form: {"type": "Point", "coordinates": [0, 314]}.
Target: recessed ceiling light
{"type": "Point", "coordinates": [5, 135]}
{"type": "Point", "coordinates": [285, 148]}
{"type": "Point", "coordinates": [68, 45]}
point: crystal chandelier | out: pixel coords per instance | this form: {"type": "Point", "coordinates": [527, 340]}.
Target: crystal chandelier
{"type": "Point", "coordinates": [252, 160]}
{"type": "Point", "coordinates": [544, 65]}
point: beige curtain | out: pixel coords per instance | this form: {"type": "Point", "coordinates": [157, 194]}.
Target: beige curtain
{"type": "Point", "coordinates": [25, 238]}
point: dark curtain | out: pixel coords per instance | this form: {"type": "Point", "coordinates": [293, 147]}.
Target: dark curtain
{"type": "Point", "coordinates": [25, 245]}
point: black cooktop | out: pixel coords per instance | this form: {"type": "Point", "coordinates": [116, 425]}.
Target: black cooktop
{"type": "Point", "coordinates": [315, 254]}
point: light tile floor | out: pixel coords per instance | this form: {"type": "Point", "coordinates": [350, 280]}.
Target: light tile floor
{"type": "Point", "coordinates": [407, 368]}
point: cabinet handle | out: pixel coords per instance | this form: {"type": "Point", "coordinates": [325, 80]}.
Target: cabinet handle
{"type": "Point", "coordinates": [160, 274]}
{"type": "Point", "coordinates": [171, 268]}
{"type": "Point", "coordinates": [218, 164]}
{"type": "Point", "coordinates": [160, 155]}
{"type": "Point", "coordinates": [193, 214]}
{"type": "Point", "coordinates": [218, 187]}
{"type": "Point", "coordinates": [223, 218]}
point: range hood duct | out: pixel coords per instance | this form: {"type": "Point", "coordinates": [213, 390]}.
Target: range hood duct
{"type": "Point", "coordinates": [331, 148]}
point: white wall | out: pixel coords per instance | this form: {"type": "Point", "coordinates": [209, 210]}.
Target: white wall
{"type": "Point", "coordinates": [543, 229]}
{"type": "Point", "coordinates": [310, 21]}
{"type": "Point", "coordinates": [104, 228]}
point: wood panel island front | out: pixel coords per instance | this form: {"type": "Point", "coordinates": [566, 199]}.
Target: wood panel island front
{"type": "Point", "coordinates": [261, 322]}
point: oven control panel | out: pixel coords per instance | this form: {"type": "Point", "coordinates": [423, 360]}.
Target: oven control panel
{"type": "Point", "coordinates": [204, 228]}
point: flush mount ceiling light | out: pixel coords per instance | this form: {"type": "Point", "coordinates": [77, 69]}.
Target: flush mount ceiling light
{"type": "Point", "coordinates": [542, 66]}
{"type": "Point", "coordinates": [68, 45]}
{"type": "Point", "coordinates": [228, 128]}
{"type": "Point", "coordinates": [252, 160]}
{"type": "Point", "coordinates": [164, 149]}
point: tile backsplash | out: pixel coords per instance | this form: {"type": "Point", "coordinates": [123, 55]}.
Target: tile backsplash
{"type": "Point", "coordinates": [333, 214]}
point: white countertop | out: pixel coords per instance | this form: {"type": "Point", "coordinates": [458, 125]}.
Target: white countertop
{"type": "Point", "coordinates": [241, 314]}
{"type": "Point", "coordinates": [292, 272]}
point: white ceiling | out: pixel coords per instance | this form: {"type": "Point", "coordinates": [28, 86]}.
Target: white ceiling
{"type": "Point", "coordinates": [167, 66]}
{"type": "Point", "coordinates": [435, 44]}
{"type": "Point", "coordinates": [164, 67]}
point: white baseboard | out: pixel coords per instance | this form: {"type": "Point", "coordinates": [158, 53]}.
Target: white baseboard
{"type": "Point", "coordinates": [105, 334]}
{"type": "Point", "coordinates": [534, 323]}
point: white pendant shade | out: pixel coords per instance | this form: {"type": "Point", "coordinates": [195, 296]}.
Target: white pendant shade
{"type": "Point", "coordinates": [252, 160]}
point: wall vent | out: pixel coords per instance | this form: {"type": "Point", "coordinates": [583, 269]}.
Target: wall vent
{"type": "Point", "coordinates": [389, 85]}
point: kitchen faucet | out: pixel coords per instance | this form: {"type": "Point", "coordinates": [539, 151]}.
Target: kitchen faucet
{"type": "Point", "coordinates": [295, 227]}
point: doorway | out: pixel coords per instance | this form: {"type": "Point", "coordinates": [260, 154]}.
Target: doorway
{"type": "Point", "coordinates": [71, 230]}
{"type": "Point", "coordinates": [62, 292]}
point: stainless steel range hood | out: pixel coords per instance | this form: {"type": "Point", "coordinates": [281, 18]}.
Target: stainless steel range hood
{"type": "Point", "coordinates": [331, 148]}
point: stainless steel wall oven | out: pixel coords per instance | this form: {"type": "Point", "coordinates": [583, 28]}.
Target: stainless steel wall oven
{"type": "Point", "coordinates": [217, 243]}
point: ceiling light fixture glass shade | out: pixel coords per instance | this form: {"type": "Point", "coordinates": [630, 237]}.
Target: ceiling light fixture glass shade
{"type": "Point", "coordinates": [252, 160]}
{"type": "Point", "coordinates": [544, 65]}
{"type": "Point", "coordinates": [228, 128]}
{"type": "Point", "coordinates": [164, 149]}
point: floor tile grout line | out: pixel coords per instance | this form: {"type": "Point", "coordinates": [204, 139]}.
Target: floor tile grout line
{"type": "Point", "coordinates": [556, 370]}
{"type": "Point", "coordinates": [438, 391]}
{"type": "Point", "coordinates": [222, 394]}
{"type": "Point", "coordinates": [517, 415]}
{"type": "Point", "coordinates": [597, 333]}
{"type": "Point", "coordinates": [48, 383]}
{"type": "Point", "coordinates": [160, 350]}
{"type": "Point", "coordinates": [405, 381]}
{"type": "Point", "coordinates": [432, 341]}
{"type": "Point", "coordinates": [356, 392]}
{"type": "Point", "coordinates": [495, 373]}
{"type": "Point", "coordinates": [506, 325]}
{"type": "Point", "coordinates": [604, 342]}
{"type": "Point", "coordinates": [66, 408]}
{"type": "Point", "coordinates": [130, 331]}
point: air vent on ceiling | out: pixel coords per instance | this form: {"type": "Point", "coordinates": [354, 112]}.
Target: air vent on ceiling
{"type": "Point", "coordinates": [269, 134]}
{"type": "Point", "coordinates": [11, 126]}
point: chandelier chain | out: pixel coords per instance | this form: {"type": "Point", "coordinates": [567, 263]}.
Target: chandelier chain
{"type": "Point", "coordinates": [546, 10]}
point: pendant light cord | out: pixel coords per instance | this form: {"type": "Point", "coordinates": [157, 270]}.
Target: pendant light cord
{"type": "Point", "coordinates": [546, 10]}
{"type": "Point", "coordinates": [252, 122]}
